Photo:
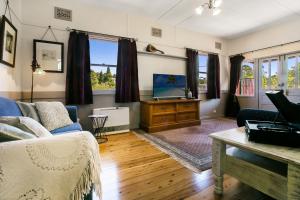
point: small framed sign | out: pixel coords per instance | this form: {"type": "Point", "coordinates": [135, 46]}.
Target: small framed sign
{"type": "Point", "coordinates": [63, 14]}
{"type": "Point", "coordinates": [8, 42]}
{"type": "Point", "coordinates": [50, 55]}
{"type": "Point", "coordinates": [156, 32]}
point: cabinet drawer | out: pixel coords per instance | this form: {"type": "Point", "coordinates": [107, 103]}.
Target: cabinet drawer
{"type": "Point", "coordinates": [163, 108]}
{"type": "Point", "coordinates": [164, 119]}
{"type": "Point", "coordinates": [187, 116]}
{"type": "Point", "coordinates": [187, 107]}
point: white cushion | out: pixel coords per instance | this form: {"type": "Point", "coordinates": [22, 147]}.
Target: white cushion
{"type": "Point", "coordinates": [53, 115]}
{"type": "Point", "coordinates": [35, 127]}
{"type": "Point", "coordinates": [26, 124]}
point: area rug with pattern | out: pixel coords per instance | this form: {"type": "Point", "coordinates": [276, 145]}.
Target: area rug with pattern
{"type": "Point", "coordinates": [191, 146]}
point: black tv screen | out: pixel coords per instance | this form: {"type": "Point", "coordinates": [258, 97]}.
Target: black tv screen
{"type": "Point", "coordinates": [168, 86]}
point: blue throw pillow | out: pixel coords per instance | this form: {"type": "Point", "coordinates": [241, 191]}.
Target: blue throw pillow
{"type": "Point", "coordinates": [9, 108]}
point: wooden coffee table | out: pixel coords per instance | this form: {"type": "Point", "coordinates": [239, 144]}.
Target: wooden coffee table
{"type": "Point", "coordinates": [281, 186]}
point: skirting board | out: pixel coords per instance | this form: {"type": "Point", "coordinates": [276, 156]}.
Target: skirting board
{"type": "Point", "coordinates": [11, 95]}
{"type": "Point", "coordinates": [117, 132]}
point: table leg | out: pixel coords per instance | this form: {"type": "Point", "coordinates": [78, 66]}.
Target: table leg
{"type": "Point", "coordinates": [293, 182]}
{"type": "Point", "coordinates": [218, 154]}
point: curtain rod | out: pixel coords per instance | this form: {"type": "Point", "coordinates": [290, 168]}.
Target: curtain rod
{"type": "Point", "coordinates": [277, 45]}
{"type": "Point", "coordinates": [101, 34]}
{"type": "Point", "coordinates": [202, 51]}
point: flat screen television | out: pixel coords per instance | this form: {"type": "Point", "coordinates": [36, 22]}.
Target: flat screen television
{"type": "Point", "coordinates": [169, 86]}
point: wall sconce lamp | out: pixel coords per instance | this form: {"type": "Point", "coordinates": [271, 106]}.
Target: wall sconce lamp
{"type": "Point", "coordinates": [35, 70]}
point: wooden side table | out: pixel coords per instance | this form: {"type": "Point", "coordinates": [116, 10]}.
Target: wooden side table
{"type": "Point", "coordinates": [98, 122]}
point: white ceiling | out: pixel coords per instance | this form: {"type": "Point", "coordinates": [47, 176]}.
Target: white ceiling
{"type": "Point", "coordinates": [238, 17]}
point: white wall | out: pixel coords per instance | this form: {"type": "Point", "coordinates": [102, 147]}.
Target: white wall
{"type": "Point", "coordinates": [282, 33]}
{"type": "Point", "coordinates": [285, 32]}
{"type": "Point", "coordinates": [97, 19]}
{"type": "Point", "coordinates": [10, 78]}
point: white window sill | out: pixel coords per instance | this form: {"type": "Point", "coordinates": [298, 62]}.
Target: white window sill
{"type": "Point", "coordinates": [105, 92]}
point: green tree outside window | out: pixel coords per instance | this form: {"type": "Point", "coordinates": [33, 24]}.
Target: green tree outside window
{"type": "Point", "coordinates": [103, 81]}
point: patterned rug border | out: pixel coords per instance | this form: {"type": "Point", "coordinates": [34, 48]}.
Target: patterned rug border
{"type": "Point", "coordinates": [191, 162]}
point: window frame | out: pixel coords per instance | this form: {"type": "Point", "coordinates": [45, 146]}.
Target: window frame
{"type": "Point", "coordinates": [202, 91]}
{"type": "Point", "coordinates": [109, 39]}
{"type": "Point", "coordinates": [254, 78]}
{"type": "Point", "coordinates": [279, 71]}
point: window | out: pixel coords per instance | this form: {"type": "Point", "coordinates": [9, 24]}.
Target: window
{"type": "Point", "coordinates": [203, 59]}
{"type": "Point", "coordinates": [265, 74]}
{"type": "Point", "coordinates": [293, 71]}
{"type": "Point", "coordinates": [103, 56]}
{"type": "Point", "coordinates": [246, 86]}
{"type": "Point", "coordinates": [274, 74]}
{"type": "Point", "coordinates": [270, 73]}
{"type": "Point", "coordinates": [281, 72]}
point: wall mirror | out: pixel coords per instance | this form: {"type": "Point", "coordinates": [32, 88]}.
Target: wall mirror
{"type": "Point", "coordinates": [49, 55]}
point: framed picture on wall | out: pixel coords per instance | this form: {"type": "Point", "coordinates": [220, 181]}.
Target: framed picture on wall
{"type": "Point", "coordinates": [50, 55]}
{"type": "Point", "coordinates": [8, 42]}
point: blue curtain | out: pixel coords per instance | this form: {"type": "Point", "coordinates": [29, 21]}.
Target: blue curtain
{"type": "Point", "coordinates": [127, 81]}
{"type": "Point", "coordinates": [232, 105]}
{"type": "Point", "coordinates": [213, 77]}
{"type": "Point", "coordinates": [78, 81]}
{"type": "Point", "coordinates": [192, 71]}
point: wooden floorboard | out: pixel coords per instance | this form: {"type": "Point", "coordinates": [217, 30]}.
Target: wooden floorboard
{"type": "Point", "coordinates": [134, 169]}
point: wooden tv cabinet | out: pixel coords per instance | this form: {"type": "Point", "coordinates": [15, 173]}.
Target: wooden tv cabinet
{"type": "Point", "coordinates": [169, 114]}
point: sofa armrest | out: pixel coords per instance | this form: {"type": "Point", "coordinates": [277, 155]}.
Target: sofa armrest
{"type": "Point", "coordinates": [72, 110]}
{"type": "Point", "coordinates": [259, 115]}
{"type": "Point", "coordinates": [51, 162]}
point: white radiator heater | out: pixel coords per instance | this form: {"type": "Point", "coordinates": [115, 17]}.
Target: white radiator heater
{"type": "Point", "coordinates": [118, 119]}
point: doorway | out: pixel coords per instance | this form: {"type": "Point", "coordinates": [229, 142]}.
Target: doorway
{"type": "Point", "coordinates": [279, 73]}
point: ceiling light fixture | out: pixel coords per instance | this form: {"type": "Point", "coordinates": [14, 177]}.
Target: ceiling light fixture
{"type": "Point", "coordinates": [199, 10]}
{"type": "Point", "coordinates": [211, 5]}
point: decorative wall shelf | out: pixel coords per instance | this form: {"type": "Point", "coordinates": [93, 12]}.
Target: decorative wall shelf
{"type": "Point", "coordinates": [162, 55]}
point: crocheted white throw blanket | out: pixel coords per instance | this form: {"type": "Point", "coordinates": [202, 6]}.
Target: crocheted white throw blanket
{"type": "Point", "coordinates": [52, 168]}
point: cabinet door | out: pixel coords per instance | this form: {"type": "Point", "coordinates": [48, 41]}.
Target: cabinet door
{"type": "Point", "coordinates": [164, 108]}
{"type": "Point", "coordinates": [186, 107]}
{"type": "Point", "coordinates": [163, 119]}
{"type": "Point", "coordinates": [187, 116]}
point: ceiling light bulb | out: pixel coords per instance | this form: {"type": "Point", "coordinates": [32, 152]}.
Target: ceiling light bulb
{"type": "Point", "coordinates": [199, 10]}
{"type": "Point", "coordinates": [216, 11]}
{"type": "Point", "coordinates": [217, 3]}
